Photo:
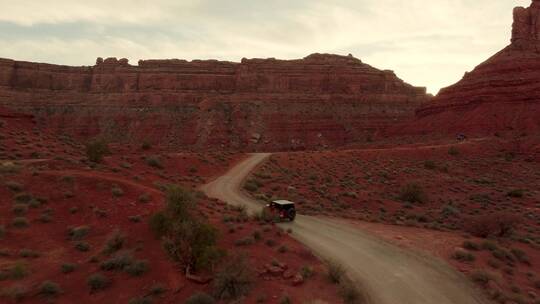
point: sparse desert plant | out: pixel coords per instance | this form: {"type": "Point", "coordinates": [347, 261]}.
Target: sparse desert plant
{"type": "Point", "coordinates": [453, 151]}
{"type": "Point", "coordinates": [117, 191]}
{"type": "Point", "coordinates": [78, 233]}
{"type": "Point", "coordinates": [137, 268]}
{"type": "Point", "coordinates": [470, 245]}
{"type": "Point", "coordinates": [188, 239]}
{"type": "Point", "coordinates": [144, 198]}
{"type": "Point", "coordinates": [141, 300]}
{"type": "Point", "coordinates": [114, 243]}
{"type": "Point", "coordinates": [234, 279]}
{"type": "Point", "coordinates": [499, 224]}
{"type": "Point", "coordinates": [28, 253]}
{"type": "Point", "coordinates": [306, 272]}
{"type": "Point", "coordinates": [17, 271]}
{"type": "Point", "coordinates": [118, 262]}
{"type": "Point", "coordinates": [49, 289]}
{"type": "Point", "coordinates": [23, 198]}
{"type": "Point", "coordinates": [14, 186]}
{"type": "Point", "coordinates": [19, 209]}
{"type": "Point", "coordinates": [20, 222]}
{"type": "Point", "coordinates": [82, 246]}
{"type": "Point", "coordinates": [2, 231]}
{"type": "Point", "coordinates": [413, 193]}
{"type": "Point", "coordinates": [430, 165]}
{"type": "Point", "coordinates": [67, 267]}
{"type": "Point", "coordinates": [200, 298]}
{"type": "Point", "coordinates": [335, 272]}
{"type": "Point", "coordinates": [146, 145]}
{"type": "Point", "coordinates": [98, 282]}
{"type": "Point", "coordinates": [154, 161]}
{"type": "Point", "coordinates": [463, 256]}
{"type": "Point", "coordinates": [15, 293]}
{"type": "Point", "coordinates": [482, 277]}
{"type": "Point", "coordinates": [351, 294]}
{"type": "Point", "coordinates": [96, 150]}
{"type": "Point", "coordinates": [516, 193]}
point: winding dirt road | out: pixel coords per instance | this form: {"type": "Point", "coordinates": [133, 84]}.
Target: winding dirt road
{"type": "Point", "coordinates": [386, 273]}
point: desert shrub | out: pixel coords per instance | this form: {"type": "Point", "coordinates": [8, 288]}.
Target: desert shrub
{"type": "Point", "coordinates": [16, 271]}
{"type": "Point", "coordinates": [114, 243]}
{"type": "Point", "coordinates": [96, 150]}
{"type": "Point", "coordinates": [144, 198]}
{"type": "Point", "coordinates": [98, 282]}
{"type": "Point", "coordinates": [137, 268]}
{"type": "Point", "coordinates": [154, 161]}
{"type": "Point", "coordinates": [9, 168]}
{"type": "Point", "coordinates": [245, 241]}
{"type": "Point", "coordinates": [187, 239]}
{"type": "Point", "coordinates": [2, 231]}
{"type": "Point", "coordinates": [49, 289]}
{"type": "Point", "coordinates": [20, 222]}
{"type": "Point", "coordinates": [16, 293]}
{"type": "Point", "coordinates": [45, 218]}
{"type": "Point", "coordinates": [146, 145]}
{"type": "Point", "coordinates": [118, 262]}
{"type": "Point", "coordinates": [67, 267]}
{"type": "Point", "coordinates": [140, 300]}
{"type": "Point", "coordinates": [471, 245]}
{"type": "Point", "coordinates": [520, 255]}
{"type": "Point", "coordinates": [453, 151]}
{"type": "Point", "coordinates": [285, 300]}
{"type": "Point", "coordinates": [82, 246]}
{"type": "Point", "coordinates": [306, 272]}
{"type": "Point", "coordinates": [14, 186]}
{"type": "Point", "coordinates": [481, 277]}
{"type": "Point", "coordinates": [19, 209]}
{"type": "Point", "coordinates": [200, 298]}
{"type": "Point", "coordinates": [234, 279]}
{"type": "Point", "coordinates": [252, 185]}
{"type": "Point", "coordinates": [463, 256]}
{"type": "Point", "coordinates": [335, 272]}
{"type": "Point", "coordinates": [497, 224]}
{"type": "Point", "coordinates": [23, 198]}
{"type": "Point", "coordinates": [117, 191]}
{"type": "Point", "coordinates": [413, 193]}
{"type": "Point", "coordinates": [351, 294]}
{"type": "Point", "coordinates": [27, 253]}
{"type": "Point", "coordinates": [78, 233]}
{"type": "Point", "coordinates": [283, 249]}
{"type": "Point", "coordinates": [516, 193]}
{"type": "Point", "coordinates": [430, 165]}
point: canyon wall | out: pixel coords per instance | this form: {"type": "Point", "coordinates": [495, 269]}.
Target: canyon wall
{"type": "Point", "coordinates": [500, 95]}
{"type": "Point", "coordinates": [317, 102]}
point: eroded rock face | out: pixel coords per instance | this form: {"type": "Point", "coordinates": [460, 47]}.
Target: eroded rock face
{"type": "Point", "coordinates": [316, 102]}
{"type": "Point", "coordinates": [501, 94]}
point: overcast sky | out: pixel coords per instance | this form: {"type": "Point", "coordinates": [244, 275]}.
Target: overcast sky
{"type": "Point", "coordinates": [428, 43]}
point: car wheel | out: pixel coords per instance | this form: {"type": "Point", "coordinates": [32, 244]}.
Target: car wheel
{"type": "Point", "coordinates": [291, 214]}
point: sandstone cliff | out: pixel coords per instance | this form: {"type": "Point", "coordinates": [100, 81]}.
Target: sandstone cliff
{"type": "Point", "coordinates": [257, 104]}
{"type": "Point", "coordinates": [501, 94]}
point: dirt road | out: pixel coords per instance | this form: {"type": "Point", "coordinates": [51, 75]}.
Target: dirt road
{"type": "Point", "coordinates": [388, 274]}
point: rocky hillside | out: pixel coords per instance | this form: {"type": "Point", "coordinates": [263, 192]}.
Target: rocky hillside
{"type": "Point", "coordinates": [259, 104]}
{"type": "Point", "coordinates": [500, 95]}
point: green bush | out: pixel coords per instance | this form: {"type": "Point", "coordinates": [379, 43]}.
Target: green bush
{"type": "Point", "coordinates": [200, 298]}
{"type": "Point", "coordinates": [413, 193]}
{"type": "Point", "coordinates": [14, 186]}
{"type": "Point", "coordinates": [187, 239]}
{"type": "Point", "coordinates": [517, 193]}
{"type": "Point", "coordinates": [96, 150]}
{"type": "Point", "coordinates": [141, 300]}
{"type": "Point", "coordinates": [146, 145]}
{"type": "Point", "coordinates": [117, 191]}
{"type": "Point", "coordinates": [98, 282]}
{"type": "Point", "coordinates": [430, 165]}
{"type": "Point", "coordinates": [16, 293]}
{"type": "Point", "coordinates": [16, 271]}
{"type": "Point", "coordinates": [2, 231]}
{"type": "Point", "coordinates": [453, 151]}
{"type": "Point", "coordinates": [82, 246]}
{"type": "Point", "coordinates": [463, 256]}
{"type": "Point", "coordinates": [137, 268]}
{"type": "Point", "coordinates": [234, 279]}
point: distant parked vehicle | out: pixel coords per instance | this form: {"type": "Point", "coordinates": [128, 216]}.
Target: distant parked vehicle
{"type": "Point", "coordinates": [461, 137]}
{"type": "Point", "coordinates": [282, 210]}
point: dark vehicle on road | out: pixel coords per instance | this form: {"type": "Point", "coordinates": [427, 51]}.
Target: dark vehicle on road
{"type": "Point", "coordinates": [282, 210]}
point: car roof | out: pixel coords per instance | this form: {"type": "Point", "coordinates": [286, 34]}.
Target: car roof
{"type": "Point", "coordinates": [283, 202]}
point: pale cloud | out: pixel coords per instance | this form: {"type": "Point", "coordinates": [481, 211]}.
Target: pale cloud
{"type": "Point", "coordinates": [427, 43]}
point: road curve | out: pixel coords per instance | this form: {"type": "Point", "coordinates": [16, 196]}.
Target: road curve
{"type": "Point", "coordinates": [386, 273]}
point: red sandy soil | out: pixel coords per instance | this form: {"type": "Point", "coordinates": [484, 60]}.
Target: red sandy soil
{"type": "Point", "coordinates": [364, 185]}
{"type": "Point", "coordinates": [75, 193]}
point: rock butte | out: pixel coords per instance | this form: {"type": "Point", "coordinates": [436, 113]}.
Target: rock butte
{"type": "Point", "coordinates": [258, 104]}
{"type": "Point", "coordinates": [501, 94]}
